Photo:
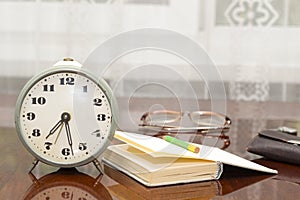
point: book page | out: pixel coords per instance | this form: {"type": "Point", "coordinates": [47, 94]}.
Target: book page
{"type": "Point", "coordinates": [154, 146]}
{"type": "Point", "coordinates": [150, 163]}
{"type": "Point", "coordinates": [157, 147]}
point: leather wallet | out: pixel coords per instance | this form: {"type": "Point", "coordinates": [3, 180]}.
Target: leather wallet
{"type": "Point", "coordinates": [276, 145]}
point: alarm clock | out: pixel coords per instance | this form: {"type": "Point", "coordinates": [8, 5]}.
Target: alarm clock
{"type": "Point", "coordinates": [65, 116]}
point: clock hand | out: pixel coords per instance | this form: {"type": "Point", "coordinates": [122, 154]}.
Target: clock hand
{"type": "Point", "coordinates": [58, 133]}
{"type": "Point", "coordinates": [69, 136]}
{"type": "Point", "coordinates": [56, 126]}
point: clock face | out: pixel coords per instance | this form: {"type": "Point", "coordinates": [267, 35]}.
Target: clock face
{"type": "Point", "coordinates": [64, 117]}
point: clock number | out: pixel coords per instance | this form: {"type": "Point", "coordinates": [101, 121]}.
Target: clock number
{"type": "Point", "coordinates": [48, 88]}
{"type": "Point", "coordinates": [97, 133]}
{"type": "Point", "coordinates": [30, 116]}
{"type": "Point", "coordinates": [66, 195]}
{"type": "Point", "coordinates": [36, 132]}
{"type": "Point", "coordinates": [101, 117]}
{"type": "Point", "coordinates": [66, 151]}
{"type": "Point", "coordinates": [82, 146]}
{"type": "Point", "coordinates": [84, 88]}
{"type": "Point", "coordinates": [97, 102]}
{"type": "Point", "coordinates": [48, 145]}
{"type": "Point", "coordinates": [67, 81]}
{"type": "Point", "coordinates": [39, 100]}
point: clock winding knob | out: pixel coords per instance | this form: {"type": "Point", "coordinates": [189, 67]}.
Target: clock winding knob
{"type": "Point", "coordinates": [68, 59]}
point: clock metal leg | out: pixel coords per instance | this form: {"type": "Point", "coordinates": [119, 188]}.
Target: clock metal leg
{"type": "Point", "coordinates": [35, 162]}
{"type": "Point", "coordinates": [31, 175]}
{"type": "Point", "coordinates": [98, 166]}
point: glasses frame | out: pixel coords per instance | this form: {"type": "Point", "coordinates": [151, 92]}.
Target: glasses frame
{"type": "Point", "coordinates": [209, 130]}
{"type": "Point", "coordinates": [203, 129]}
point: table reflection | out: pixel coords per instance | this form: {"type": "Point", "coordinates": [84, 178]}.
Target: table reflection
{"type": "Point", "coordinates": [128, 188]}
{"type": "Point", "coordinates": [67, 184]}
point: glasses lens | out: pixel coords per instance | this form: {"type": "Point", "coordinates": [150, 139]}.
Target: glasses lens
{"type": "Point", "coordinates": [207, 119]}
{"type": "Point", "coordinates": [162, 117]}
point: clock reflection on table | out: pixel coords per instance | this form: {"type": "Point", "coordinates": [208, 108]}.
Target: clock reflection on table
{"type": "Point", "coordinates": [67, 183]}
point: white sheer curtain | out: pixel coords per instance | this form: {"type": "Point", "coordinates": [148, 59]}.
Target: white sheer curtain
{"type": "Point", "coordinates": [37, 33]}
{"type": "Point", "coordinates": [254, 43]}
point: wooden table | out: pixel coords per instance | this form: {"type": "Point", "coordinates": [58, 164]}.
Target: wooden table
{"type": "Point", "coordinates": [84, 182]}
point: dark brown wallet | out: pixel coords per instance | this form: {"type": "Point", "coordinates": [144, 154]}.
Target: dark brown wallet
{"type": "Point", "coordinates": [276, 145]}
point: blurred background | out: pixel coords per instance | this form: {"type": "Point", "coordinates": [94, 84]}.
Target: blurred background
{"type": "Point", "coordinates": [254, 44]}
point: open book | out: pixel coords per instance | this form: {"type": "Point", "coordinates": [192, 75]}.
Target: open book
{"type": "Point", "coordinates": [154, 161]}
{"type": "Point", "coordinates": [153, 171]}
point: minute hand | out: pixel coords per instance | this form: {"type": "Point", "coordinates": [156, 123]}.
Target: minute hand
{"type": "Point", "coordinates": [69, 136]}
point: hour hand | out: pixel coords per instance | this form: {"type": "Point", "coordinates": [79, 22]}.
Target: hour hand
{"type": "Point", "coordinates": [56, 126]}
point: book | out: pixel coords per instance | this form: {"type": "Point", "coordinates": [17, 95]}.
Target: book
{"type": "Point", "coordinates": [159, 171]}
{"type": "Point", "coordinates": [128, 188]}
{"type": "Point", "coordinates": [154, 162]}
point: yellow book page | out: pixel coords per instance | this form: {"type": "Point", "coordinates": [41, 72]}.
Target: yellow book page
{"type": "Point", "coordinates": [147, 167]}
{"type": "Point", "coordinates": [176, 161]}
{"type": "Point", "coordinates": [154, 146]}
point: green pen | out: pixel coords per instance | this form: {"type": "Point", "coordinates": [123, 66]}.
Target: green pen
{"type": "Point", "coordinates": [188, 146]}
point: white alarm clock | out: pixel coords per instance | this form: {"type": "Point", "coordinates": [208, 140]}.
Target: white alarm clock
{"type": "Point", "coordinates": [65, 116]}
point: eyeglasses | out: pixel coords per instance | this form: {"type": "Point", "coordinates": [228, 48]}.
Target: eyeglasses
{"type": "Point", "coordinates": [205, 121]}
{"type": "Point", "coordinates": [212, 125]}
